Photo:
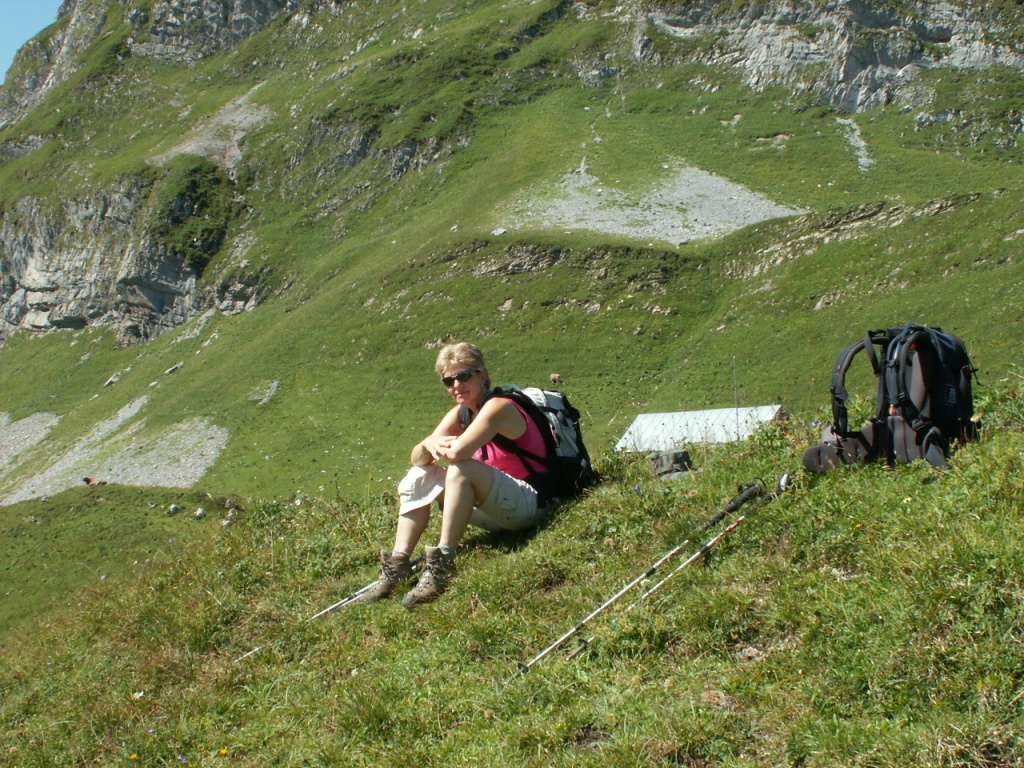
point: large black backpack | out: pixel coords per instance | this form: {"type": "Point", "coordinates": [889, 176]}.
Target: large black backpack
{"type": "Point", "coordinates": [923, 404]}
{"type": "Point", "coordinates": [566, 458]}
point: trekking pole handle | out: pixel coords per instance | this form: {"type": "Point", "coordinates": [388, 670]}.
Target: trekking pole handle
{"type": "Point", "coordinates": [584, 646]}
{"type": "Point", "coordinates": [784, 485]}
{"type": "Point", "coordinates": [747, 493]}
{"type": "Point", "coordinates": [752, 490]}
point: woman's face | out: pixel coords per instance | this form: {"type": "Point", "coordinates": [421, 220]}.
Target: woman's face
{"type": "Point", "coordinates": [465, 385]}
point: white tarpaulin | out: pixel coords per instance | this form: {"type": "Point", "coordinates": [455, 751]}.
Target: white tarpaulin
{"type": "Point", "coordinates": [666, 431]}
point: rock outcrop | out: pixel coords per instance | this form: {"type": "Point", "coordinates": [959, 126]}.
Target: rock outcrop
{"type": "Point", "coordinates": [187, 30]}
{"type": "Point", "coordinates": [83, 264]}
{"type": "Point", "coordinates": [849, 54]}
{"type": "Point", "coordinates": [92, 263]}
{"type": "Point", "coordinates": [176, 30]}
{"type": "Point", "coordinates": [47, 60]}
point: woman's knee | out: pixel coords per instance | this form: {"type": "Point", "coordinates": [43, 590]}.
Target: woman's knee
{"type": "Point", "coordinates": [464, 471]}
{"type": "Point", "coordinates": [474, 475]}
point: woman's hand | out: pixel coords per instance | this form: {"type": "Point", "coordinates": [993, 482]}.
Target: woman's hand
{"type": "Point", "coordinates": [440, 447]}
{"type": "Point", "coordinates": [432, 448]}
{"type": "Point", "coordinates": [449, 442]}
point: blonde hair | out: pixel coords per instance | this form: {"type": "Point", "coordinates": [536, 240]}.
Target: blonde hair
{"type": "Point", "coordinates": [463, 354]}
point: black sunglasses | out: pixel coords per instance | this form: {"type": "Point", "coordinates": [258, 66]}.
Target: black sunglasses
{"type": "Point", "coordinates": [462, 377]}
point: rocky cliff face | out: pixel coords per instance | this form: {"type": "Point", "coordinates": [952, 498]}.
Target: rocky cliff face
{"type": "Point", "coordinates": [186, 30]}
{"type": "Point", "coordinates": [177, 30]}
{"type": "Point", "coordinates": [853, 54]}
{"type": "Point", "coordinates": [850, 54]}
{"type": "Point", "coordinates": [82, 265]}
{"type": "Point", "coordinates": [90, 262]}
{"type": "Point", "coordinates": [47, 60]}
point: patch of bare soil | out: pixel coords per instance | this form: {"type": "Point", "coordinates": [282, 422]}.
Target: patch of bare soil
{"type": "Point", "coordinates": [690, 204]}
{"type": "Point", "coordinates": [115, 451]}
{"type": "Point", "coordinates": [218, 139]}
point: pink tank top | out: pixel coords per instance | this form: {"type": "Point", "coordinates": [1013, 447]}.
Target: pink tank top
{"type": "Point", "coordinates": [532, 440]}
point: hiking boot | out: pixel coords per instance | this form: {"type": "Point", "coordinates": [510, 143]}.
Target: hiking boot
{"type": "Point", "coordinates": [438, 570]}
{"type": "Point", "coordinates": [394, 569]}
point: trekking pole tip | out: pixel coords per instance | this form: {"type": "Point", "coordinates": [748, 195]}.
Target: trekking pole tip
{"type": "Point", "coordinates": [521, 669]}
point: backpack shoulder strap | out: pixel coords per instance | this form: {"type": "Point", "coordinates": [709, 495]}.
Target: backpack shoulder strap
{"type": "Point", "coordinates": [840, 396]}
{"type": "Point", "coordinates": [949, 369]}
{"type": "Point", "coordinates": [524, 401]}
{"type": "Point", "coordinates": [909, 340]}
{"type": "Point", "coordinates": [466, 415]}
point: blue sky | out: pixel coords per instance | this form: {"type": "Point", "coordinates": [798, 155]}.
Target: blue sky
{"type": "Point", "coordinates": [20, 21]}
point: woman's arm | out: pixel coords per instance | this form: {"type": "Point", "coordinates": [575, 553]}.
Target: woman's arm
{"type": "Point", "coordinates": [498, 416]}
{"type": "Point", "coordinates": [429, 450]}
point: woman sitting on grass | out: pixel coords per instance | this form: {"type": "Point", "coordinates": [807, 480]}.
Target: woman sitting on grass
{"type": "Point", "coordinates": [482, 483]}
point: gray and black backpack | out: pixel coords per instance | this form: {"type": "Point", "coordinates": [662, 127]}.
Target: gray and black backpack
{"type": "Point", "coordinates": [923, 405]}
{"type": "Point", "coordinates": [570, 471]}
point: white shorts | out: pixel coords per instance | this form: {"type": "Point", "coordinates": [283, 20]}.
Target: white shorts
{"type": "Point", "coordinates": [510, 506]}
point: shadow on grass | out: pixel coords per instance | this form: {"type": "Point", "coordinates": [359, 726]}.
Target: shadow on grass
{"type": "Point", "coordinates": [508, 542]}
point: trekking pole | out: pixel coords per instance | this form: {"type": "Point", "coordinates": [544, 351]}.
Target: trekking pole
{"type": "Point", "coordinates": [357, 594]}
{"type": "Point", "coordinates": [343, 602]}
{"type": "Point", "coordinates": [525, 667]}
{"type": "Point", "coordinates": [784, 484]}
{"type": "Point", "coordinates": [695, 556]}
{"type": "Point", "coordinates": [746, 493]}
{"type": "Point", "coordinates": [337, 606]}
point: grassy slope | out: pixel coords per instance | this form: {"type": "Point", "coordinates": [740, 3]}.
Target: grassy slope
{"type": "Point", "coordinates": [371, 286]}
{"type": "Point", "coordinates": [58, 546]}
{"type": "Point", "coordinates": [869, 618]}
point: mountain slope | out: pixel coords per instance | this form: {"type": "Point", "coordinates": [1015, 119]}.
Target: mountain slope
{"type": "Point", "coordinates": [357, 244]}
{"type": "Point", "coordinates": [351, 186]}
{"type": "Point", "coordinates": [226, 262]}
